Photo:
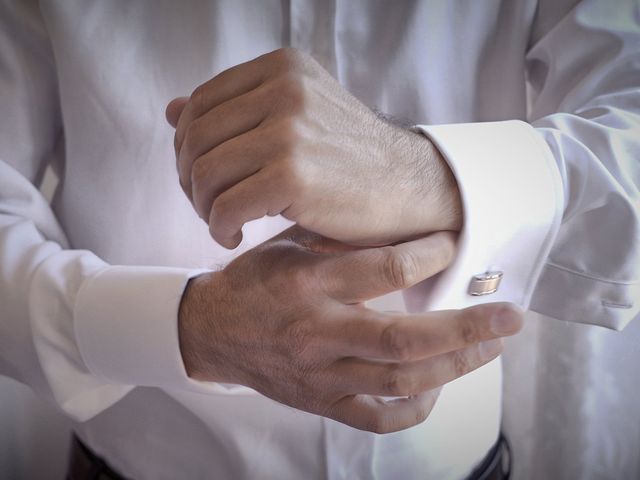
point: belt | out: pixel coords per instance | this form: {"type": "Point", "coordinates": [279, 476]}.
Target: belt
{"type": "Point", "coordinates": [86, 465]}
{"type": "Point", "coordinates": [496, 464]}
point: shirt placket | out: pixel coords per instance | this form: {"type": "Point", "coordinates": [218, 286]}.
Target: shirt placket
{"type": "Point", "coordinates": [312, 30]}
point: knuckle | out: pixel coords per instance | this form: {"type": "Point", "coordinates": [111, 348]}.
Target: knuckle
{"type": "Point", "coordinates": [190, 139]}
{"type": "Point", "coordinates": [201, 197]}
{"type": "Point", "coordinates": [199, 98]}
{"type": "Point", "coordinates": [376, 423]}
{"type": "Point", "coordinates": [400, 268]}
{"type": "Point", "coordinates": [422, 412]}
{"type": "Point", "coordinates": [397, 383]}
{"type": "Point", "coordinates": [199, 170]}
{"type": "Point", "coordinates": [281, 140]}
{"type": "Point", "coordinates": [290, 57]}
{"type": "Point", "coordinates": [396, 342]}
{"type": "Point", "coordinates": [291, 90]}
{"type": "Point", "coordinates": [177, 143]}
{"type": "Point", "coordinates": [468, 328]}
{"type": "Point", "coordinates": [289, 170]}
{"type": "Point", "coordinates": [461, 364]}
{"type": "Point", "coordinates": [214, 170]}
{"type": "Point", "coordinates": [299, 338]}
{"type": "Point", "coordinates": [185, 185]}
{"type": "Point", "coordinates": [213, 230]}
{"type": "Point", "coordinates": [288, 134]}
{"type": "Point", "coordinates": [219, 210]}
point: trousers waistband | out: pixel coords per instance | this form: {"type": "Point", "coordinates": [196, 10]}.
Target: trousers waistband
{"type": "Point", "coordinates": [84, 464]}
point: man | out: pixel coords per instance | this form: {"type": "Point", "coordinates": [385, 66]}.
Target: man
{"type": "Point", "coordinates": [155, 373]}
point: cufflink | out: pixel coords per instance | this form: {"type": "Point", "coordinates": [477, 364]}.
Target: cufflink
{"type": "Point", "coordinates": [485, 283]}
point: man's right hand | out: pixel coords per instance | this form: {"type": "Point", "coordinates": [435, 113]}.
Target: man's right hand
{"type": "Point", "coordinates": [287, 320]}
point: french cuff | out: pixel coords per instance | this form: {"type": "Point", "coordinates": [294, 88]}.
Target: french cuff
{"type": "Point", "coordinates": [126, 327]}
{"type": "Point", "coordinates": [512, 199]}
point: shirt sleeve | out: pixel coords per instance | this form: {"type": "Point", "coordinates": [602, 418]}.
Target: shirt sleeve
{"type": "Point", "coordinates": [80, 332]}
{"type": "Point", "coordinates": [553, 203]}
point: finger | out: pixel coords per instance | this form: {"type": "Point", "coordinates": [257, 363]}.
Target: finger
{"type": "Point", "coordinates": [174, 110]}
{"type": "Point", "coordinates": [319, 244]}
{"type": "Point", "coordinates": [253, 198]}
{"type": "Point", "coordinates": [364, 274]}
{"type": "Point", "coordinates": [226, 121]}
{"type": "Point", "coordinates": [229, 84]}
{"type": "Point", "coordinates": [359, 375]}
{"type": "Point", "coordinates": [378, 415]}
{"type": "Point", "coordinates": [227, 165]}
{"type": "Point", "coordinates": [370, 334]}
{"type": "Point", "coordinates": [312, 241]}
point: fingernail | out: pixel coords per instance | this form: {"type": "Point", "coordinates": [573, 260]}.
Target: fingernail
{"type": "Point", "coordinates": [490, 348]}
{"type": "Point", "coordinates": [505, 321]}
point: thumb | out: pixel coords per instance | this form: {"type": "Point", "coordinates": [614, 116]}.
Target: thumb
{"type": "Point", "coordinates": [174, 109]}
{"type": "Point", "coordinates": [360, 275]}
{"type": "Point", "coordinates": [312, 241]}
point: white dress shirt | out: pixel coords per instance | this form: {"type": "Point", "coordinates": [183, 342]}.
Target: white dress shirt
{"type": "Point", "coordinates": [535, 105]}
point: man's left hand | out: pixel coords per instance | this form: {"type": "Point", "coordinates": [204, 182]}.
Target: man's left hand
{"type": "Point", "coordinates": [278, 135]}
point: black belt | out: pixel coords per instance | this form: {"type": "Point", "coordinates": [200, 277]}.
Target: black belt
{"type": "Point", "coordinates": [496, 464]}
{"type": "Point", "coordinates": [86, 465]}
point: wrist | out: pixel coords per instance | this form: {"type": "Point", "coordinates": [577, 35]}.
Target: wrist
{"type": "Point", "coordinates": [197, 309]}
{"type": "Point", "coordinates": [434, 202]}
{"type": "Point", "coordinates": [445, 199]}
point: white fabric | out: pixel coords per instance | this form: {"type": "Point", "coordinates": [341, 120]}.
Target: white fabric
{"type": "Point", "coordinates": [153, 326]}
{"type": "Point", "coordinates": [572, 401]}
{"type": "Point", "coordinates": [83, 88]}
{"type": "Point", "coordinates": [500, 241]}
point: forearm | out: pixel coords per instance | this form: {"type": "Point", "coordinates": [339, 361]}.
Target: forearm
{"type": "Point", "coordinates": [39, 282]}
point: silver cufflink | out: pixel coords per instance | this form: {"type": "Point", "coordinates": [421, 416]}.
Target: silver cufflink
{"type": "Point", "coordinates": [485, 283]}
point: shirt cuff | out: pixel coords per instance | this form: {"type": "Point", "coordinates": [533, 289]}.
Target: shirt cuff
{"type": "Point", "coordinates": [126, 327]}
{"type": "Point", "coordinates": [512, 199]}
